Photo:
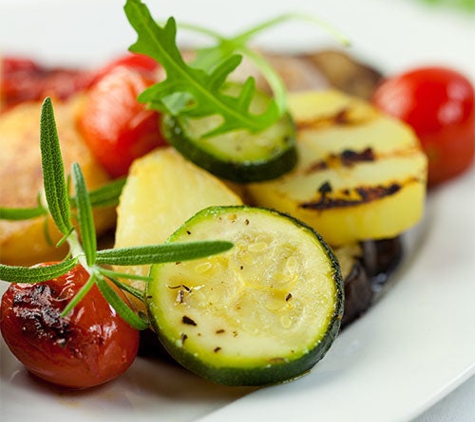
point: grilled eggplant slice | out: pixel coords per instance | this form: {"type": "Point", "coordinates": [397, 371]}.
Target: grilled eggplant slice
{"type": "Point", "coordinates": [361, 175]}
{"type": "Point", "coordinates": [344, 72]}
{"type": "Point", "coordinates": [366, 268]}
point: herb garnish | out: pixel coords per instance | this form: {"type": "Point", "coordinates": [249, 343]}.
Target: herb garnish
{"type": "Point", "coordinates": [104, 196]}
{"type": "Point", "coordinates": [59, 207]}
{"type": "Point", "coordinates": [207, 57]}
{"type": "Point", "coordinates": [198, 89]}
{"type": "Point", "coordinates": [201, 92]}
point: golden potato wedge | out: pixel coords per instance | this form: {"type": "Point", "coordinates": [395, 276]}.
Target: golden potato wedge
{"type": "Point", "coordinates": [24, 242]}
{"type": "Point", "coordinates": [162, 191]}
{"type": "Point", "coordinates": [361, 175]}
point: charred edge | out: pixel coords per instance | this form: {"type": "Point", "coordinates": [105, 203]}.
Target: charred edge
{"type": "Point", "coordinates": [42, 319]}
{"type": "Point", "coordinates": [365, 194]}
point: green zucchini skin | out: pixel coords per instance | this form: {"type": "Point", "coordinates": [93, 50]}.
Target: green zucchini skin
{"type": "Point", "coordinates": [272, 371]}
{"type": "Point", "coordinates": [278, 162]}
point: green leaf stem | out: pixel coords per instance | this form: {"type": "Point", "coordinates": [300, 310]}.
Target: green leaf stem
{"type": "Point", "coordinates": [17, 214]}
{"type": "Point", "coordinates": [156, 254]}
{"type": "Point", "coordinates": [105, 196]}
{"type": "Point", "coordinates": [85, 217]}
{"type": "Point", "coordinates": [204, 88]}
{"type": "Point", "coordinates": [207, 57]}
{"type": "Point", "coordinates": [80, 294]}
{"type": "Point", "coordinates": [18, 274]}
{"type": "Point", "coordinates": [55, 184]}
{"type": "Point", "coordinates": [120, 306]}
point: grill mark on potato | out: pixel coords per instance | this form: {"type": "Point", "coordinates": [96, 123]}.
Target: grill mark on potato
{"type": "Point", "coordinates": [347, 158]}
{"type": "Point", "coordinates": [343, 117]}
{"type": "Point", "coordinates": [339, 118]}
{"type": "Point", "coordinates": [351, 197]}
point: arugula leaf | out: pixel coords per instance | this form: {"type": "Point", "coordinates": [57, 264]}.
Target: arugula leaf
{"type": "Point", "coordinates": [207, 57]}
{"type": "Point", "coordinates": [55, 185]}
{"type": "Point", "coordinates": [203, 90]}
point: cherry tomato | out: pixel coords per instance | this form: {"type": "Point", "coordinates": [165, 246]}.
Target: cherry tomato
{"type": "Point", "coordinates": [136, 61]}
{"type": "Point", "coordinates": [439, 104]}
{"type": "Point", "coordinates": [89, 347]}
{"type": "Point", "coordinates": [23, 79]}
{"type": "Point", "coordinates": [116, 127]}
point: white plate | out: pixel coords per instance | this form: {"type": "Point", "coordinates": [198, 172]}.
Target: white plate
{"type": "Point", "coordinates": [412, 348]}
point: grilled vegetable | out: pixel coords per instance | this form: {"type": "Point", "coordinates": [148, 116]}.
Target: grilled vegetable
{"type": "Point", "coordinates": [239, 156]}
{"type": "Point", "coordinates": [89, 347]}
{"type": "Point", "coordinates": [366, 267]}
{"type": "Point", "coordinates": [361, 175]}
{"type": "Point", "coordinates": [264, 312]}
{"type": "Point", "coordinates": [22, 80]}
{"type": "Point", "coordinates": [21, 173]}
{"type": "Point", "coordinates": [439, 104]}
{"type": "Point", "coordinates": [163, 190]}
{"type": "Point", "coordinates": [344, 72]}
{"type": "Point", "coordinates": [116, 127]}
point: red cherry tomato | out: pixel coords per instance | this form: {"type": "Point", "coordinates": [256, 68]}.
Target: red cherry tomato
{"type": "Point", "coordinates": [116, 127]}
{"type": "Point", "coordinates": [439, 104]}
{"type": "Point", "coordinates": [89, 347]}
{"type": "Point", "coordinates": [22, 79]}
{"type": "Point", "coordinates": [139, 62]}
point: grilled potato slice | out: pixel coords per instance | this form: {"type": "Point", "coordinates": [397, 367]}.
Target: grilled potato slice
{"type": "Point", "coordinates": [24, 242]}
{"type": "Point", "coordinates": [361, 175]}
{"type": "Point", "coordinates": [162, 191]}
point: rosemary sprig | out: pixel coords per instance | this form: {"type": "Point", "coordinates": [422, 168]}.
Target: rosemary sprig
{"type": "Point", "coordinates": [20, 274]}
{"type": "Point", "coordinates": [157, 254]}
{"type": "Point", "coordinates": [104, 196]}
{"type": "Point", "coordinates": [17, 214]}
{"type": "Point", "coordinates": [55, 185]}
{"type": "Point", "coordinates": [86, 221]}
{"type": "Point", "coordinates": [85, 253]}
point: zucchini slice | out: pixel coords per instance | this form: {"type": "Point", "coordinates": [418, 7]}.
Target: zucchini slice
{"type": "Point", "coordinates": [262, 313]}
{"type": "Point", "coordinates": [238, 156]}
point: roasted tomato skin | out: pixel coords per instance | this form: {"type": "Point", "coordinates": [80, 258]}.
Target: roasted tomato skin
{"type": "Point", "coordinates": [90, 346]}
{"type": "Point", "coordinates": [22, 79]}
{"type": "Point", "coordinates": [116, 127]}
{"type": "Point", "coordinates": [439, 105]}
{"type": "Point", "coordinates": [140, 62]}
